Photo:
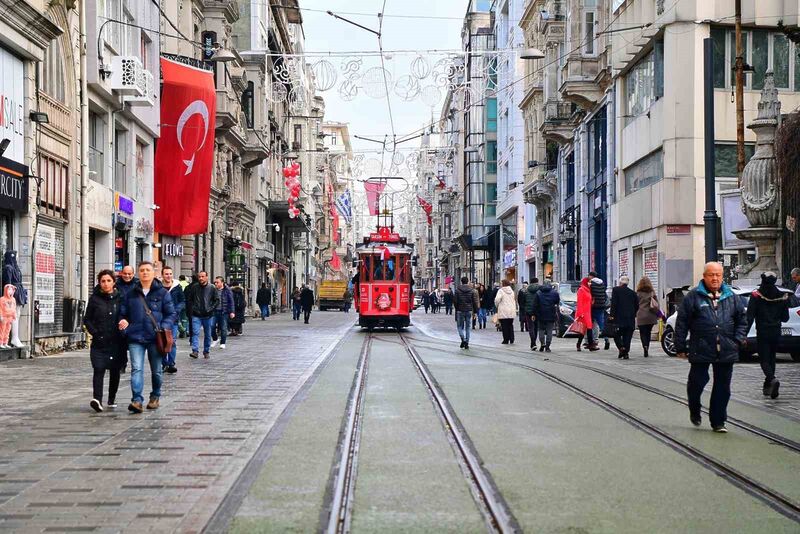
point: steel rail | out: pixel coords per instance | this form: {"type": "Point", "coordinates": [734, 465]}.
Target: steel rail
{"type": "Point", "coordinates": [491, 504]}
{"type": "Point", "coordinates": [344, 484]}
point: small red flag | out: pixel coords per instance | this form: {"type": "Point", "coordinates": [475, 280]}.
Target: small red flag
{"type": "Point", "coordinates": [374, 190]}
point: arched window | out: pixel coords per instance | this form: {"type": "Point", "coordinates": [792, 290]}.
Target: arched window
{"type": "Point", "coordinates": [52, 71]}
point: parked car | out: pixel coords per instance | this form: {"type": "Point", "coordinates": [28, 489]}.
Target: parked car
{"type": "Point", "coordinates": [418, 298]}
{"type": "Point", "coordinates": [568, 291]}
{"type": "Point", "coordinates": [790, 331]}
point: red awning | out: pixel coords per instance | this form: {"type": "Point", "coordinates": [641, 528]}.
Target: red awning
{"type": "Point", "coordinates": [247, 246]}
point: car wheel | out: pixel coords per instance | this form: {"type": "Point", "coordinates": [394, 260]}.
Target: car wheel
{"type": "Point", "coordinates": [668, 342]}
{"type": "Point", "coordinates": [796, 356]}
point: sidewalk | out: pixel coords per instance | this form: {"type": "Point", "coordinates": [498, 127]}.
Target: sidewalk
{"type": "Point", "coordinates": [62, 466]}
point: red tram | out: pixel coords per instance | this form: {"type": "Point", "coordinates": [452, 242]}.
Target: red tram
{"type": "Point", "coordinates": [384, 294]}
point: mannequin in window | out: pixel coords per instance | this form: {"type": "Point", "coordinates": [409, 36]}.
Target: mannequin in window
{"type": "Point", "coordinates": [13, 276]}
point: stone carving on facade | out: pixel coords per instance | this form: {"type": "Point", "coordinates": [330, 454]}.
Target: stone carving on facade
{"type": "Point", "coordinates": [760, 187]}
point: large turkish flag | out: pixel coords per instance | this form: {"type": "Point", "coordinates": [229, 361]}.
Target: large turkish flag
{"type": "Point", "coordinates": [185, 150]}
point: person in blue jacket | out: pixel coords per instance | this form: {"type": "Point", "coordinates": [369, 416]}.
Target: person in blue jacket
{"type": "Point", "coordinates": [139, 326]}
{"type": "Point", "coordinates": [179, 301]}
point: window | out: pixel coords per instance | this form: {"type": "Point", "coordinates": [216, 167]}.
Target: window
{"type": "Point", "coordinates": [298, 135]}
{"type": "Point", "coordinates": [491, 115]}
{"type": "Point", "coordinates": [763, 50]}
{"type": "Point", "coordinates": [54, 192]}
{"type": "Point", "coordinates": [725, 158]}
{"type": "Point", "coordinates": [597, 139]}
{"type": "Point", "coordinates": [334, 139]}
{"type": "Point", "coordinates": [589, 47]}
{"type": "Point", "coordinates": [491, 157]}
{"type": "Point", "coordinates": [120, 167]}
{"type": "Point", "coordinates": [447, 227]}
{"type": "Point", "coordinates": [97, 130]}
{"type": "Point", "coordinates": [430, 233]}
{"type": "Point", "coordinates": [645, 172]}
{"type": "Point", "coordinates": [52, 70]}
{"type": "Point", "coordinates": [491, 200]}
{"type": "Point", "coordinates": [117, 35]}
{"type": "Point", "coordinates": [644, 83]}
{"type": "Point", "coordinates": [571, 174]}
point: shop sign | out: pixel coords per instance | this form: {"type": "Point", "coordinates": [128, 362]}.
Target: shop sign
{"type": "Point", "coordinates": [530, 253]}
{"type": "Point", "coordinates": [510, 258]}
{"type": "Point", "coordinates": [45, 279]}
{"type": "Point", "coordinates": [12, 108]}
{"type": "Point", "coordinates": [679, 229]}
{"type": "Point", "coordinates": [173, 249]}
{"type": "Point", "coordinates": [13, 186]}
{"type": "Point", "coordinates": [123, 204]}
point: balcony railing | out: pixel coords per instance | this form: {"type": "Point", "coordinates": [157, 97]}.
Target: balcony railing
{"type": "Point", "coordinates": [558, 111]}
{"type": "Point", "coordinates": [57, 113]}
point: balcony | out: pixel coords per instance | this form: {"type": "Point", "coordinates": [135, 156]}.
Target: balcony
{"type": "Point", "coordinates": [254, 149]}
{"type": "Point", "coordinates": [580, 86]}
{"type": "Point", "coordinates": [540, 187]}
{"type": "Point", "coordinates": [557, 125]}
{"type": "Point", "coordinates": [227, 110]}
{"type": "Point", "coordinates": [551, 21]}
{"type": "Point", "coordinates": [58, 114]}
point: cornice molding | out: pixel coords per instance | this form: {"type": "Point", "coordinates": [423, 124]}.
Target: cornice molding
{"type": "Point", "coordinates": [30, 22]}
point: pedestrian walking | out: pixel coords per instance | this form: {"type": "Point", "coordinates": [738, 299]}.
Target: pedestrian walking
{"type": "Point", "coordinates": [426, 300]}
{"type": "Point", "coordinates": [599, 305]}
{"type": "Point", "coordinates": [447, 297]}
{"type": "Point", "coordinates": [175, 291]}
{"type": "Point", "coordinates": [263, 299]}
{"type": "Point", "coordinates": [528, 303]}
{"type": "Point", "coordinates": [239, 310]}
{"type": "Point", "coordinates": [768, 308]}
{"type": "Point", "coordinates": [297, 305]}
{"type": "Point", "coordinates": [465, 299]}
{"type": "Point", "coordinates": [187, 296]}
{"type": "Point", "coordinates": [307, 302]}
{"type": "Point", "coordinates": [224, 311]}
{"type": "Point", "coordinates": [434, 301]}
{"type": "Point", "coordinates": [147, 306]}
{"type": "Point", "coordinates": [647, 314]}
{"type": "Point", "coordinates": [506, 303]}
{"type": "Point", "coordinates": [583, 316]}
{"type": "Point", "coordinates": [624, 307]}
{"type": "Point", "coordinates": [183, 319]}
{"type": "Point", "coordinates": [545, 303]}
{"type": "Point", "coordinates": [521, 297]}
{"type": "Point", "coordinates": [202, 301]}
{"type": "Point", "coordinates": [483, 297]}
{"type": "Point", "coordinates": [125, 282]}
{"type": "Point", "coordinates": [348, 299]}
{"type": "Point", "coordinates": [713, 319]}
{"type": "Point", "coordinates": [108, 347]}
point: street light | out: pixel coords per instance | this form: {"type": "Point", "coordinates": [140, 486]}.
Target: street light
{"type": "Point", "coordinates": [531, 53]}
{"type": "Point", "coordinates": [222, 55]}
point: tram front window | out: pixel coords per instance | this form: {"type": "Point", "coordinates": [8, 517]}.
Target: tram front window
{"type": "Point", "coordinates": [383, 270]}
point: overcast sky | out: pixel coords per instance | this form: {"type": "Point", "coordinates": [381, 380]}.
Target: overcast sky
{"type": "Point", "coordinates": [368, 116]}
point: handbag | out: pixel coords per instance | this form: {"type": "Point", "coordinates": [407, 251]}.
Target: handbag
{"type": "Point", "coordinates": [653, 303]}
{"type": "Point", "coordinates": [164, 339]}
{"type": "Point", "coordinates": [495, 320]}
{"type": "Point", "coordinates": [577, 327]}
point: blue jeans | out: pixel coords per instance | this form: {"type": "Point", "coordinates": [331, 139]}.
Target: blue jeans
{"type": "Point", "coordinates": [221, 322]}
{"type": "Point", "coordinates": [598, 322]}
{"type": "Point", "coordinates": [264, 310]}
{"type": "Point", "coordinates": [169, 359]}
{"type": "Point", "coordinates": [296, 311]}
{"type": "Point", "coordinates": [464, 324]}
{"type": "Point", "coordinates": [207, 324]}
{"type": "Point", "coordinates": [482, 316]}
{"type": "Point", "coordinates": [137, 351]}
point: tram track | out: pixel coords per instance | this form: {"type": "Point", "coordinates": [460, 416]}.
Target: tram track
{"type": "Point", "coordinates": [772, 498]}
{"type": "Point", "coordinates": [491, 505]}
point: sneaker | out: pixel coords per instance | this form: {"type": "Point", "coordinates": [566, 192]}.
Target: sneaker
{"type": "Point", "coordinates": [774, 387]}
{"type": "Point", "coordinates": [96, 406]}
{"type": "Point", "coordinates": [214, 343]}
{"type": "Point", "coordinates": [194, 355]}
{"type": "Point", "coordinates": [171, 369]}
{"type": "Point", "coordinates": [222, 346]}
{"type": "Point", "coordinates": [720, 429]}
{"type": "Point", "coordinates": [135, 407]}
{"type": "Point", "coordinates": [206, 355]}
{"type": "Point", "coordinates": [111, 404]}
{"type": "Point", "coordinates": [607, 345]}
{"type": "Point", "coordinates": [696, 419]}
{"type": "Point", "coordinates": [153, 404]}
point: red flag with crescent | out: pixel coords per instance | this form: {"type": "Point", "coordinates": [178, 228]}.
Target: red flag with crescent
{"type": "Point", "coordinates": [426, 206]}
{"type": "Point", "coordinates": [185, 151]}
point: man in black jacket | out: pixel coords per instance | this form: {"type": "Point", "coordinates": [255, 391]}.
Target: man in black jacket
{"type": "Point", "coordinates": [466, 303]}
{"type": "Point", "coordinates": [768, 308]}
{"type": "Point", "coordinates": [263, 299]}
{"type": "Point", "coordinates": [203, 299]}
{"type": "Point", "coordinates": [544, 308]}
{"type": "Point", "coordinates": [624, 305]}
{"type": "Point", "coordinates": [599, 305]}
{"type": "Point", "coordinates": [307, 302]}
{"type": "Point", "coordinates": [526, 304]}
{"type": "Point", "coordinates": [716, 319]}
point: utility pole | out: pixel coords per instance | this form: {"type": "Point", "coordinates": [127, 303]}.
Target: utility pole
{"type": "Point", "coordinates": [739, 81]}
{"type": "Point", "coordinates": [710, 215]}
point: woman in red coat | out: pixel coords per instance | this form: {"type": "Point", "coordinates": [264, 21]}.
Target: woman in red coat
{"type": "Point", "coordinates": [583, 313]}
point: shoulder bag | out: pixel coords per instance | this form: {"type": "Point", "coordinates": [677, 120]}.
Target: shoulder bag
{"type": "Point", "coordinates": [164, 339]}
{"type": "Point", "coordinates": [653, 303]}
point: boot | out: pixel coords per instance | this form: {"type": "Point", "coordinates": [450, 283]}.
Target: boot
{"type": "Point", "coordinates": [578, 345]}
{"type": "Point", "coordinates": [607, 345]}
{"type": "Point", "coordinates": [645, 352]}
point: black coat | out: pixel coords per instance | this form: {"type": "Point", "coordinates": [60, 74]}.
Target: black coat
{"type": "Point", "coordinates": [545, 304]}
{"type": "Point", "coordinates": [624, 305]}
{"type": "Point", "coordinates": [466, 299]}
{"type": "Point", "coordinates": [447, 298]}
{"type": "Point", "coordinates": [102, 322]}
{"type": "Point", "coordinates": [239, 305]}
{"type": "Point", "coordinates": [724, 327]}
{"type": "Point", "coordinates": [599, 298]}
{"type": "Point", "coordinates": [525, 298]}
{"type": "Point", "coordinates": [264, 296]}
{"type": "Point", "coordinates": [487, 303]}
{"type": "Point", "coordinates": [768, 310]}
{"type": "Point", "coordinates": [201, 300]}
{"type": "Point", "coordinates": [307, 299]}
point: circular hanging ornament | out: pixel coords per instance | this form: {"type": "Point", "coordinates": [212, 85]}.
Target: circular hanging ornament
{"type": "Point", "coordinates": [348, 89]}
{"type": "Point", "coordinates": [324, 75]}
{"type": "Point", "coordinates": [420, 68]}
{"type": "Point", "coordinates": [398, 158]}
{"type": "Point", "coordinates": [297, 99]}
{"type": "Point", "coordinates": [407, 88]}
{"type": "Point", "coordinates": [372, 167]}
{"type": "Point", "coordinates": [373, 83]}
{"type": "Point", "coordinates": [277, 93]}
{"type": "Point", "coordinates": [430, 95]}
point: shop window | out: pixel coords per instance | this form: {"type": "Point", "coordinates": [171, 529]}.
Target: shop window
{"type": "Point", "coordinates": [645, 172]}
{"type": "Point", "coordinates": [54, 192]}
{"type": "Point", "coordinates": [725, 158]}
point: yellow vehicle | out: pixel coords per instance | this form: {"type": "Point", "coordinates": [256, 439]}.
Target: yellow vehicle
{"type": "Point", "coordinates": [331, 294]}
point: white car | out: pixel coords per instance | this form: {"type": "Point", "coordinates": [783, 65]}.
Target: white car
{"type": "Point", "coordinates": [790, 331]}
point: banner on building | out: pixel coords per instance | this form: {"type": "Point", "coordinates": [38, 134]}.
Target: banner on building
{"type": "Point", "coordinates": [185, 152]}
{"type": "Point", "coordinates": [374, 191]}
{"type": "Point", "coordinates": [344, 205]}
{"type": "Point", "coordinates": [45, 279]}
{"type": "Point", "coordinates": [651, 265]}
{"type": "Point", "coordinates": [426, 206]}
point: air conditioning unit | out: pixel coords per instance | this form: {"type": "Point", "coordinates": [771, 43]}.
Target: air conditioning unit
{"type": "Point", "coordinates": [148, 97]}
{"type": "Point", "coordinates": [126, 76]}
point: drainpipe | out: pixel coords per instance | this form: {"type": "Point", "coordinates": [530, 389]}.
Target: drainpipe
{"type": "Point", "coordinates": [85, 282]}
{"type": "Point", "coordinates": [611, 183]}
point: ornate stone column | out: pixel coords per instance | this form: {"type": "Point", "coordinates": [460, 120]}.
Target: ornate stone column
{"type": "Point", "coordinates": [760, 187]}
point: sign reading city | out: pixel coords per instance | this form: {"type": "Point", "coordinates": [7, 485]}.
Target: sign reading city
{"type": "Point", "coordinates": [13, 185]}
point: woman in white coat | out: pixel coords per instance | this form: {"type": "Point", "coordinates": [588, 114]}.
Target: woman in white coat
{"type": "Point", "coordinates": [506, 303]}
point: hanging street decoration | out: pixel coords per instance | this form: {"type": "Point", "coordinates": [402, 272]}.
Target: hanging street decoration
{"type": "Point", "coordinates": [291, 173]}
